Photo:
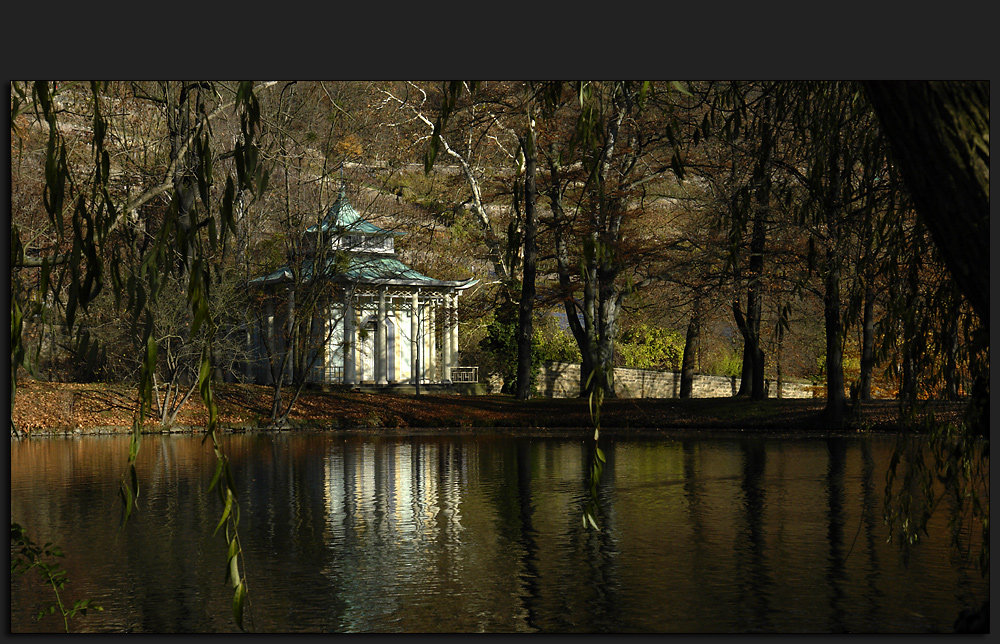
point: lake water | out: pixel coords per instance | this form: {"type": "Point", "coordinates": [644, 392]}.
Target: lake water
{"type": "Point", "coordinates": [459, 533]}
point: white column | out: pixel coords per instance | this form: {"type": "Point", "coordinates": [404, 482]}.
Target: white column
{"type": "Point", "coordinates": [251, 352]}
{"type": "Point", "coordinates": [454, 331]}
{"type": "Point", "coordinates": [380, 361]}
{"type": "Point", "coordinates": [446, 341]}
{"type": "Point", "coordinates": [350, 376]}
{"type": "Point", "coordinates": [414, 344]}
{"type": "Point", "coordinates": [431, 344]}
{"type": "Point", "coordinates": [424, 342]}
{"type": "Point", "coordinates": [270, 334]}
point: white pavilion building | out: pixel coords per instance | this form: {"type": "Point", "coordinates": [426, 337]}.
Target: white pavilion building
{"type": "Point", "coordinates": [378, 323]}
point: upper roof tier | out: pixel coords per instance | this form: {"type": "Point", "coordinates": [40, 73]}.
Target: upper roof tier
{"type": "Point", "coordinates": [368, 250]}
{"type": "Point", "coordinates": [342, 218]}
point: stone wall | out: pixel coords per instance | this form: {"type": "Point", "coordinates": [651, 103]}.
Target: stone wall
{"type": "Point", "coordinates": [562, 380]}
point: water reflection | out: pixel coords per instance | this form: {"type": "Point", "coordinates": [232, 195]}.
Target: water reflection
{"type": "Point", "coordinates": [752, 564]}
{"type": "Point", "coordinates": [460, 533]}
{"type": "Point", "coordinates": [836, 574]}
{"type": "Point", "coordinates": [870, 523]}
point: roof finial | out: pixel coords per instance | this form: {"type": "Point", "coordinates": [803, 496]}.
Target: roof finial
{"type": "Point", "coordinates": [343, 184]}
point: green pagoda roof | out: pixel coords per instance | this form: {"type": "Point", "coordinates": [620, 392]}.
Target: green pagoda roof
{"type": "Point", "coordinates": [363, 269]}
{"type": "Point", "coordinates": [343, 218]}
{"type": "Point", "coordinates": [360, 268]}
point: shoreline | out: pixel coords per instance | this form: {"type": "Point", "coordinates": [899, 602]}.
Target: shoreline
{"type": "Point", "coordinates": [59, 409]}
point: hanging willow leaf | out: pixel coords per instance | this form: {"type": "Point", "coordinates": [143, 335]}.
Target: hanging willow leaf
{"type": "Point", "coordinates": [215, 477]}
{"type": "Point", "coordinates": [232, 571]}
{"type": "Point", "coordinates": [225, 511]}
{"type": "Point", "coordinates": [239, 597]}
{"type": "Point", "coordinates": [126, 496]}
{"type": "Point", "coordinates": [94, 207]}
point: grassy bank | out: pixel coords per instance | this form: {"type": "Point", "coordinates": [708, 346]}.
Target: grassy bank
{"type": "Point", "coordinates": [43, 407]}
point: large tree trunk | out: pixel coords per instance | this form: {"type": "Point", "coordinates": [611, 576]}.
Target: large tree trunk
{"type": "Point", "coordinates": [755, 289]}
{"type": "Point", "coordinates": [598, 268]}
{"type": "Point", "coordinates": [689, 359]}
{"type": "Point", "coordinates": [525, 331]}
{"type": "Point", "coordinates": [754, 308]}
{"type": "Point", "coordinates": [835, 399]}
{"type": "Point", "coordinates": [753, 353]}
{"type": "Point", "coordinates": [746, 371]}
{"type": "Point", "coordinates": [588, 340]}
{"type": "Point", "coordinates": [608, 308]}
{"type": "Point", "coordinates": [752, 375]}
{"type": "Point", "coordinates": [594, 335]}
{"type": "Point", "coordinates": [940, 137]}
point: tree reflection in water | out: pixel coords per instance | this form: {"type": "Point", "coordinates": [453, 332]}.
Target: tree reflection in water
{"type": "Point", "coordinates": [483, 533]}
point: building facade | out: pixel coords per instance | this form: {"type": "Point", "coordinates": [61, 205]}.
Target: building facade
{"type": "Point", "coordinates": [362, 316]}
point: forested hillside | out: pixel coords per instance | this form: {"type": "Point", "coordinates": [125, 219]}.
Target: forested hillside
{"type": "Point", "coordinates": [753, 228]}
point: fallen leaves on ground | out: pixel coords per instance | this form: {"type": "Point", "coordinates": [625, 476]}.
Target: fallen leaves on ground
{"type": "Point", "coordinates": [47, 406]}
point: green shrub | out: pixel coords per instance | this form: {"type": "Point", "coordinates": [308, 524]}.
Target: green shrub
{"type": "Point", "coordinates": [549, 343]}
{"type": "Point", "coordinates": [649, 347]}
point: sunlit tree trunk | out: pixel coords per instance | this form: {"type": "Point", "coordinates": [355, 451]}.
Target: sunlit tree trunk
{"type": "Point", "coordinates": [608, 309]}
{"type": "Point", "coordinates": [589, 349]}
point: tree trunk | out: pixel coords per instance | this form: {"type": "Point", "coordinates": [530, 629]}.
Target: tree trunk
{"type": "Point", "coordinates": [835, 399]}
{"type": "Point", "coordinates": [608, 308]}
{"type": "Point", "coordinates": [752, 375]}
{"type": "Point", "coordinates": [746, 371]}
{"type": "Point", "coordinates": [753, 353]}
{"type": "Point", "coordinates": [940, 136]}
{"type": "Point", "coordinates": [565, 269]}
{"type": "Point", "coordinates": [525, 331]}
{"type": "Point", "coordinates": [867, 345]}
{"type": "Point", "coordinates": [688, 360]}
{"type": "Point", "coordinates": [939, 133]}
{"type": "Point", "coordinates": [779, 380]}
{"type": "Point", "coordinates": [746, 368]}
{"type": "Point", "coordinates": [589, 348]}
{"type": "Point", "coordinates": [754, 307]}
{"type": "Point", "coordinates": [755, 294]}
